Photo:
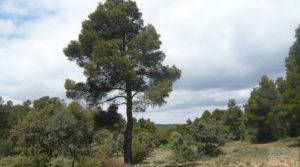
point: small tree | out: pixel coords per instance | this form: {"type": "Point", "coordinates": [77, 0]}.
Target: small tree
{"type": "Point", "coordinates": [29, 135]}
{"type": "Point", "coordinates": [122, 61]}
{"type": "Point", "coordinates": [208, 136]}
{"type": "Point", "coordinates": [233, 119]}
{"type": "Point", "coordinates": [182, 151]}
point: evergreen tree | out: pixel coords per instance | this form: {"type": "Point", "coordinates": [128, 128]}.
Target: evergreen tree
{"type": "Point", "coordinates": [261, 109]}
{"type": "Point", "coordinates": [291, 88]}
{"type": "Point", "coordinates": [122, 61]}
{"type": "Point", "coordinates": [233, 119]}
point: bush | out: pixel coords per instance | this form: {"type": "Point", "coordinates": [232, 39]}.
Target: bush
{"type": "Point", "coordinates": [106, 143]}
{"type": "Point", "coordinates": [210, 150]}
{"type": "Point", "coordinates": [209, 138]}
{"type": "Point", "coordinates": [41, 160]}
{"type": "Point", "coordinates": [88, 162]}
{"type": "Point", "coordinates": [182, 152]}
{"type": "Point", "coordinates": [142, 145]}
{"type": "Point", "coordinates": [139, 152]}
{"type": "Point", "coordinates": [109, 162]}
{"type": "Point", "coordinates": [32, 161]}
{"type": "Point", "coordinates": [14, 161]}
{"type": "Point", "coordinates": [61, 162]}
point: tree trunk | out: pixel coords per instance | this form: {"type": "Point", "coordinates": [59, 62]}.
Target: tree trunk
{"type": "Point", "coordinates": [73, 152]}
{"type": "Point", "coordinates": [128, 132]}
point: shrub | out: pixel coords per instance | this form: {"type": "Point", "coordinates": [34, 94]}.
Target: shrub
{"type": "Point", "coordinates": [106, 143]}
{"type": "Point", "coordinates": [14, 162]}
{"type": "Point", "coordinates": [61, 162]}
{"type": "Point", "coordinates": [142, 145]}
{"type": "Point", "coordinates": [139, 152]}
{"type": "Point", "coordinates": [88, 162]}
{"type": "Point", "coordinates": [209, 138]}
{"type": "Point", "coordinates": [182, 152]}
{"type": "Point", "coordinates": [31, 161]}
{"type": "Point", "coordinates": [40, 160]}
{"type": "Point", "coordinates": [110, 162]}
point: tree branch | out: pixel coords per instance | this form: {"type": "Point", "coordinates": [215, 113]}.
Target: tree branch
{"type": "Point", "coordinates": [135, 93]}
{"type": "Point", "coordinates": [111, 99]}
{"type": "Point", "coordinates": [118, 88]}
{"type": "Point", "coordinates": [118, 104]}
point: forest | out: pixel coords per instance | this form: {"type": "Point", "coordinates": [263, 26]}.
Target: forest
{"type": "Point", "coordinates": [124, 65]}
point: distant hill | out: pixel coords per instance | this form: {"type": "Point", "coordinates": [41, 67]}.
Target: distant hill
{"type": "Point", "coordinates": [164, 128]}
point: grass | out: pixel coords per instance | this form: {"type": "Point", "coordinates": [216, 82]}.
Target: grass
{"type": "Point", "coordinates": [243, 154]}
{"type": "Point", "coordinates": [159, 157]}
{"type": "Point", "coordinates": [282, 153]}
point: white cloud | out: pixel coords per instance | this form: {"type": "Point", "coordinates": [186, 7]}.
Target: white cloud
{"type": "Point", "coordinates": [6, 28]}
{"type": "Point", "coordinates": [222, 47]}
{"type": "Point", "coordinates": [184, 104]}
{"type": "Point", "coordinates": [229, 43]}
{"type": "Point", "coordinates": [34, 65]}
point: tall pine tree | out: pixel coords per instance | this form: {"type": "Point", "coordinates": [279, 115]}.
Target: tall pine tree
{"type": "Point", "coordinates": [291, 93]}
{"type": "Point", "coordinates": [260, 111]}
{"type": "Point", "coordinates": [122, 61]}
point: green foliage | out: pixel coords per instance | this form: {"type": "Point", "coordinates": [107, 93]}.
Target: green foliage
{"type": "Point", "coordinates": [290, 88]}
{"type": "Point", "coordinates": [181, 151]}
{"type": "Point", "coordinates": [120, 54]}
{"type": "Point", "coordinates": [208, 137]}
{"type": "Point", "coordinates": [14, 162]}
{"type": "Point", "coordinates": [109, 119]}
{"type": "Point", "coordinates": [206, 116]}
{"type": "Point", "coordinates": [145, 139]}
{"type": "Point", "coordinates": [164, 131]}
{"type": "Point", "coordinates": [30, 161]}
{"type": "Point", "coordinates": [60, 162]}
{"type": "Point", "coordinates": [107, 143]}
{"type": "Point", "coordinates": [88, 162]}
{"type": "Point", "coordinates": [48, 104]}
{"type": "Point", "coordinates": [139, 152]}
{"type": "Point", "coordinates": [29, 134]}
{"type": "Point", "coordinates": [227, 122]}
{"type": "Point", "coordinates": [145, 125]}
{"type": "Point", "coordinates": [219, 115]}
{"type": "Point", "coordinates": [51, 129]}
{"type": "Point", "coordinates": [10, 114]}
{"type": "Point", "coordinates": [69, 132]}
{"type": "Point", "coordinates": [262, 112]}
{"type": "Point", "coordinates": [233, 119]}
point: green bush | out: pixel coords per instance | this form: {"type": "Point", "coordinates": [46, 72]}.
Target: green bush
{"type": "Point", "coordinates": [139, 152]}
{"type": "Point", "coordinates": [88, 162]}
{"type": "Point", "coordinates": [14, 161]}
{"type": "Point", "coordinates": [61, 162]}
{"type": "Point", "coordinates": [32, 161]}
{"type": "Point", "coordinates": [182, 151]}
{"type": "Point", "coordinates": [208, 137]}
{"type": "Point", "coordinates": [41, 160]}
{"type": "Point", "coordinates": [106, 143]}
{"type": "Point", "coordinates": [142, 145]}
{"type": "Point", "coordinates": [210, 150]}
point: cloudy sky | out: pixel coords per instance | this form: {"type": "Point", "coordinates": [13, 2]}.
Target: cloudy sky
{"type": "Point", "coordinates": [223, 48]}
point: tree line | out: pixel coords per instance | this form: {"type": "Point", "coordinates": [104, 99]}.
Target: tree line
{"type": "Point", "coordinates": [272, 112]}
{"type": "Point", "coordinates": [49, 132]}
